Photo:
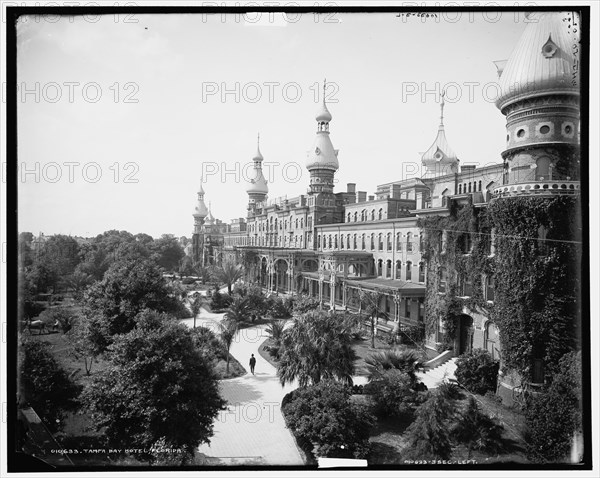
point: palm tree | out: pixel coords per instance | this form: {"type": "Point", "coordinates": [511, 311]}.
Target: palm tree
{"type": "Point", "coordinates": [317, 346]}
{"type": "Point", "coordinates": [203, 273]}
{"type": "Point", "coordinates": [229, 273]}
{"type": "Point", "coordinates": [275, 330]}
{"type": "Point", "coordinates": [407, 361]}
{"type": "Point", "coordinates": [196, 305]}
{"type": "Point", "coordinates": [227, 330]}
{"type": "Point", "coordinates": [238, 311]}
{"type": "Point", "coordinates": [369, 302]}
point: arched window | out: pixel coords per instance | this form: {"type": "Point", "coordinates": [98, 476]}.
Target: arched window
{"type": "Point", "coordinates": [364, 245]}
{"type": "Point", "coordinates": [542, 171]}
{"type": "Point", "coordinates": [301, 223]}
{"type": "Point", "coordinates": [380, 242]}
{"type": "Point", "coordinates": [380, 267]}
{"type": "Point", "coordinates": [341, 241]}
{"type": "Point", "coordinates": [398, 241]}
{"type": "Point", "coordinates": [319, 240]}
{"type": "Point", "coordinates": [348, 217]}
{"type": "Point", "coordinates": [363, 215]}
{"type": "Point", "coordinates": [388, 269]}
{"type": "Point", "coordinates": [409, 246]}
{"type": "Point", "coordinates": [389, 241]}
{"type": "Point", "coordinates": [348, 241]}
{"type": "Point", "coordinates": [330, 243]}
{"type": "Point", "coordinates": [398, 270]}
{"type": "Point", "coordinates": [460, 189]}
{"type": "Point", "coordinates": [466, 243]}
{"type": "Point", "coordinates": [356, 216]}
{"type": "Point", "coordinates": [408, 270]}
{"type": "Point", "coordinates": [380, 214]}
{"type": "Point", "coordinates": [421, 272]}
{"type": "Point", "coordinates": [480, 185]}
{"type": "Point", "coordinates": [276, 224]}
{"type": "Point", "coordinates": [443, 276]}
{"type": "Point", "coordinates": [335, 242]}
{"type": "Point", "coordinates": [354, 242]}
{"type": "Point", "coordinates": [489, 287]}
{"type": "Point", "coordinates": [421, 246]}
{"type": "Point", "coordinates": [469, 187]}
{"type": "Point", "coordinates": [372, 214]}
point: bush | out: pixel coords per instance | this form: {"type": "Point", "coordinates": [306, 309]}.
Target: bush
{"type": "Point", "coordinates": [395, 395]}
{"type": "Point", "coordinates": [477, 371]}
{"type": "Point", "coordinates": [554, 416]}
{"type": "Point", "coordinates": [412, 334]}
{"type": "Point", "coordinates": [305, 303]}
{"type": "Point", "coordinates": [279, 308]}
{"type": "Point", "coordinates": [209, 344]}
{"type": "Point", "coordinates": [324, 416]}
{"type": "Point", "coordinates": [220, 301]}
{"type": "Point", "coordinates": [478, 431]}
{"type": "Point", "coordinates": [64, 316]}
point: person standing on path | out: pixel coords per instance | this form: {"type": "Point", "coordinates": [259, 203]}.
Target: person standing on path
{"type": "Point", "coordinates": [252, 364]}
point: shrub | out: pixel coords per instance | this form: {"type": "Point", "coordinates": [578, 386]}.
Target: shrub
{"type": "Point", "coordinates": [477, 371]}
{"type": "Point", "coordinates": [305, 303]}
{"type": "Point", "coordinates": [478, 431]}
{"type": "Point", "coordinates": [220, 301]}
{"type": "Point", "coordinates": [324, 416]}
{"type": "Point", "coordinates": [279, 308]}
{"type": "Point", "coordinates": [256, 301]}
{"type": "Point", "coordinates": [554, 415]}
{"type": "Point", "coordinates": [450, 390]}
{"type": "Point", "coordinates": [65, 316]}
{"type": "Point", "coordinates": [395, 394]}
{"type": "Point", "coordinates": [208, 343]}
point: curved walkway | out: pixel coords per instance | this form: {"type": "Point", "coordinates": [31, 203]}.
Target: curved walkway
{"type": "Point", "coordinates": [252, 430]}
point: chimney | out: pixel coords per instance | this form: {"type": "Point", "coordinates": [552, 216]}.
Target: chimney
{"type": "Point", "coordinates": [362, 196]}
{"type": "Point", "coordinates": [351, 187]}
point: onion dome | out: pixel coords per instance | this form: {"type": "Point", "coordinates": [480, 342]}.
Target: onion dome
{"type": "Point", "coordinates": [257, 184]}
{"type": "Point", "coordinates": [200, 211]}
{"type": "Point", "coordinates": [544, 60]}
{"type": "Point", "coordinates": [322, 155]}
{"type": "Point", "coordinates": [440, 154]}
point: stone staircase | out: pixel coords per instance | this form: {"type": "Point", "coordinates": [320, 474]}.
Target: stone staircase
{"type": "Point", "coordinates": [435, 376]}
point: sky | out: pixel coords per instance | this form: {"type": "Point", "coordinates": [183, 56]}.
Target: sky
{"type": "Point", "coordinates": [119, 117]}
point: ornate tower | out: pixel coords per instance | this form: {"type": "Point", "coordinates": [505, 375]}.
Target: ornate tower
{"type": "Point", "coordinates": [440, 159]}
{"type": "Point", "coordinates": [200, 213]}
{"type": "Point", "coordinates": [540, 98]}
{"type": "Point", "coordinates": [257, 188]}
{"type": "Point", "coordinates": [322, 162]}
{"type": "Point", "coordinates": [536, 213]}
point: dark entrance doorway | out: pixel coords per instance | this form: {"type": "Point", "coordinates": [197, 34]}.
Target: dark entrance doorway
{"type": "Point", "coordinates": [464, 335]}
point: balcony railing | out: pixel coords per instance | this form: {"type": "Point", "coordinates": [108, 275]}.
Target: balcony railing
{"type": "Point", "coordinates": [541, 188]}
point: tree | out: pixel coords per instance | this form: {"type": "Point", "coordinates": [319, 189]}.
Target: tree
{"type": "Point", "coordinates": [44, 385]}
{"type": "Point", "coordinates": [238, 311]}
{"type": "Point", "coordinates": [315, 347]}
{"type": "Point", "coordinates": [395, 394]}
{"type": "Point", "coordinates": [128, 287]}
{"type": "Point", "coordinates": [227, 331]}
{"type": "Point", "coordinates": [196, 306]}
{"type": "Point", "coordinates": [369, 303]}
{"type": "Point", "coordinates": [275, 331]}
{"type": "Point", "coordinates": [229, 273]}
{"type": "Point", "coordinates": [324, 416]}
{"type": "Point", "coordinates": [478, 431]}
{"type": "Point", "coordinates": [428, 436]}
{"type": "Point", "coordinates": [202, 272]}
{"type": "Point", "coordinates": [158, 386]}
{"type": "Point", "coordinates": [167, 252]}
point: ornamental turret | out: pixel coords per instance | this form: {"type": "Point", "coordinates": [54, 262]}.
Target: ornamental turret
{"type": "Point", "coordinates": [322, 159]}
{"type": "Point", "coordinates": [257, 188]}
{"type": "Point", "coordinates": [200, 211]}
{"type": "Point", "coordinates": [440, 159]}
{"type": "Point", "coordinates": [540, 96]}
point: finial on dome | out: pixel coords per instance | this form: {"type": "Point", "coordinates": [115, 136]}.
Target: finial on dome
{"type": "Point", "coordinates": [324, 88]}
{"type": "Point", "coordinates": [258, 156]}
{"type": "Point", "coordinates": [442, 109]}
{"type": "Point", "coordinates": [323, 116]}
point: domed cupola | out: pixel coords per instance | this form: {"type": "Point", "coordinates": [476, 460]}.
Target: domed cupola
{"type": "Point", "coordinates": [257, 187]}
{"type": "Point", "coordinates": [322, 158]}
{"type": "Point", "coordinates": [440, 158]}
{"type": "Point", "coordinates": [200, 211]}
{"type": "Point", "coordinates": [540, 96]}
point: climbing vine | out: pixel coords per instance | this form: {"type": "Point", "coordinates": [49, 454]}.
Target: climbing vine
{"type": "Point", "coordinates": [460, 243]}
{"type": "Point", "coordinates": [537, 279]}
{"type": "Point", "coordinates": [536, 270]}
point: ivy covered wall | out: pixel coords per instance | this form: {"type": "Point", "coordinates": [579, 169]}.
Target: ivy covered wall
{"type": "Point", "coordinates": [536, 270]}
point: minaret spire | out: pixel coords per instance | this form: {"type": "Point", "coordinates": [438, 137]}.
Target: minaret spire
{"type": "Point", "coordinates": [442, 110]}
{"type": "Point", "coordinates": [324, 88]}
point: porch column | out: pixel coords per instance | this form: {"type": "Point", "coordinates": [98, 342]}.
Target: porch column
{"type": "Point", "coordinates": [345, 295]}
